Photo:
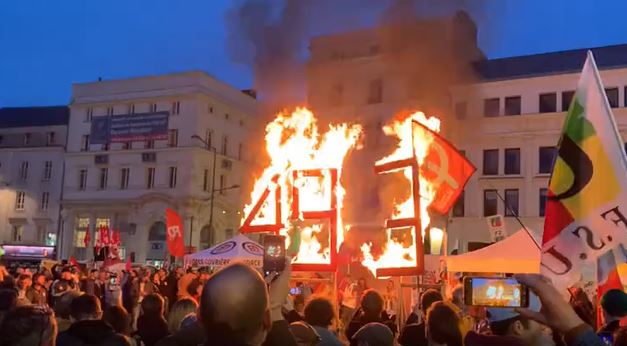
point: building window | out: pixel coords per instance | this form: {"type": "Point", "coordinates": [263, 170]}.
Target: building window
{"type": "Point", "coordinates": [149, 144]}
{"type": "Point", "coordinates": [375, 91]}
{"type": "Point", "coordinates": [459, 206]}
{"type": "Point", "coordinates": [546, 158]}
{"type": "Point", "coordinates": [47, 170]}
{"type": "Point", "coordinates": [45, 197]}
{"type": "Point", "coordinates": [511, 202]}
{"type": "Point", "coordinates": [176, 107]}
{"type": "Point", "coordinates": [20, 198]}
{"type": "Point", "coordinates": [226, 116]}
{"type": "Point", "coordinates": [82, 179]}
{"type": "Point", "coordinates": [17, 232]}
{"type": "Point", "coordinates": [567, 98]}
{"type": "Point", "coordinates": [208, 135]}
{"type": "Point", "coordinates": [153, 107]}
{"type": "Point", "coordinates": [27, 139]}
{"type": "Point", "coordinates": [491, 107]}
{"type": "Point", "coordinates": [50, 138]}
{"type": "Point", "coordinates": [612, 96]}
{"type": "Point", "coordinates": [512, 161]}
{"type": "Point", "coordinates": [89, 112]}
{"type": "Point", "coordinates": [1, 139]}
{"type": "Point", "coordinates": [173, 138]}
{"type": "Point", "coordinates": [225, 145]}
{"type": "Point", "coordinates": [104, 176]}
{"type": "Point", "coordinates": [491, 162]}
{"type": "Point", "coordinates": [85, 143]}
{"type": "Point", "coordinates": [240, 148]}
{"type": "Point", "coordinates": [131, 108]}
{"type": "Point", "coordinates": [222, 184]}
{"type": "Point", "coordinates": [110, 110]}
{"type": "Point", "coordinates": [542, 201]}
{"type": "Point", "coordinates": [512, 105]}
{"type": "Point", "coordinates": [41, 235]}
{"type": "Point", "coordinates": [24, 170]}
{"type": "Point", "coordinates": [548, 103]}
{"type": "Point", "coordinates": [205, 180]}
{"type": "Point", "coordinates": [461, 108]}
{"type": "Point", "coordinates": [127, 145]}
{"type": "Point", "coordinates": [210, 109]}
{"type": "Point", "coordinates": [490, 199]}
{"type": "Point", "coordinates": [124, 175]}
{"type": "Point", "coordinates": [150, 178]}
{"type": "Point", "coordinates": [173, 173]}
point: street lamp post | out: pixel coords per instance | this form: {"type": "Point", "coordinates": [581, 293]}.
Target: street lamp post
{"type": "Point", "coordinates": [213, 180]}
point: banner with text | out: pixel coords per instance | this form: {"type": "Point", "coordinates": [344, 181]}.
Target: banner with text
{"type": "Point", "coordinates": [129, 127]}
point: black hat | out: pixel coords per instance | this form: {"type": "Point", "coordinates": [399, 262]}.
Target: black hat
{"type": "Point", "coordinates": [614, 302]}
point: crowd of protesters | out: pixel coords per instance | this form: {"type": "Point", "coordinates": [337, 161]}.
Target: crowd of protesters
{"type": "Point", "coordinates": [237, 306]}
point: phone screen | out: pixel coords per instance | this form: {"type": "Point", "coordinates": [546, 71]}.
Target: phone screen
{"type": "Point", "coordinates": [607, 338]}
{"type": "Point", "coordinates": [274, 253]}
{"type": "Point", "coordinates": [295, 291]}
{"type": "Point", "coordinates": [495, 292]}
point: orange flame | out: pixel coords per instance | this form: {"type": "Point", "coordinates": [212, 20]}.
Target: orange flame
{"type": "Point", "coordinates": [294, 143]}
{"type": "Point", "coordinates": [397, 253]}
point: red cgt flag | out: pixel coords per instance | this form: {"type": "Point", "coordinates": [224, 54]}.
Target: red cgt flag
{"type": "Point", "coordinates": [445, 168]}
{"type": "Point", "coordinates": [175, 243]}
{"type": "Point", "coordinates": [87, 238]}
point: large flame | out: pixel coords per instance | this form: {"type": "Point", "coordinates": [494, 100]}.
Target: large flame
{"type": "Point", "coordinates": [294, 143]}
{"type": "Point", "coordinates": [402, 253]}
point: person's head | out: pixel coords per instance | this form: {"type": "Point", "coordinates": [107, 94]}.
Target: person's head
{"type": "Point", "coordinates": [62, 306]}
{"type": "Point", "coordinates": [457, 297]}
{"type": "Point", "coordinates": [30, 325]}
{"type": "Point", "coordinates": [442, 325]}
{"type": "Point", "coordinates": [429, 297]}
{"type": "Point", "coordinates": [85, 307]}
{"type": "Point", "coordinates": [24, 281]}
{"type": "Point", "coordinates": [319, 312]}
{"type": "Point", "coordinates": [299, 303]}
{"type": "Point", "coordinates": [304, 334]}
{"type": "Point", "coordinates": [194, 288]}
{"type": "Point", "coordinates": [66, 274]}
{"type": "Point", "coordinates": [103, 276]}
{"type": "Point", "coordinates": [39, 279]}
{"type": "Point", "coordinates": [361, 282]}
{"type": "Point", "coordinates": [20, 271]}
{"type": "Point", "coordinates": [181, 309]}
{"type": "Point", "coordinates": [118, 318]}
{"type": "Point", "coordinates": [179, 271]}
{"type": "Point", "coordinates": [93, 274]}
{"type": "Point", "coordinates": [374, 334]}
{"type": "Point", "coordinates": [507, 322]}
{"type": "Point", "coordinates": [234, 305]}
{"type": "Point", "coordinates": [614, 304]}
{"type": "Point", "coordinates": [153, 305]}
{"type": "Point", "coordinates": [162, 274]}
{"type": "Point", "coordinates": [390, 285]}
{"type": "Point", "coordinates": [372, 303]}
{"type": "Point", "coordinates": [133, 274]}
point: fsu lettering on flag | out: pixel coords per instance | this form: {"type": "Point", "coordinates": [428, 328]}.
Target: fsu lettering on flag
{"type": "Point", "coordinates": [585, 212]}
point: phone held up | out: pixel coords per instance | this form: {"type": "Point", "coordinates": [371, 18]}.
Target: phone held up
{"type": "Point", "coordinates": [273, 254]}
{"type": "Point", "coordinates": [500, 292]}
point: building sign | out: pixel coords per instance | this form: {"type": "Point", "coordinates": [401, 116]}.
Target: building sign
{"type": "Point", "coordinates": [129, 127]}
{"type": "Point", "coordinates": [496, 225]}
{"type": "Point", "coordinates": [29, 252]}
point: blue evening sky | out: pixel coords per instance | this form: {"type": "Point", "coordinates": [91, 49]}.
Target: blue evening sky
{"type": "Point", "coordinates": [47, 45]}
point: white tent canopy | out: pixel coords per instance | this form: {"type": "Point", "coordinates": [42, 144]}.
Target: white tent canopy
{"type": "Point", "coordinates": [518, 254]}
{"type": "Point", "coordinates": [238, 248]}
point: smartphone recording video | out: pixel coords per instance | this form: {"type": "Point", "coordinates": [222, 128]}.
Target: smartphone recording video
{"type": "Point", "coordinates": [273, 254]}
{"type": "Point", "coordinates": [495, 292]}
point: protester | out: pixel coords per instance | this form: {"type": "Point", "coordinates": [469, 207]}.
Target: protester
{"type": "Point", "coordinates": [38, 294]}
{"type": "Point", "coordinates": [413, 334]}
{"type": "Point", "coordinates": [304, 334]}
{"type": "Point", "coordinates": [614, 306]}
{"type": "Point", "coordinates": [319, 313]}
{"type": "Point", "coordinates": [180, 310]}
{"type": "Point", "coordinates": [390, 298]}
{"type": "Point", "coordinates": [466, 322]}
{"type": "Point", "coordinates": [119, 319]}
{"type": "Point", "coordinates": [371, 311]}
{"type": "Point", "coordinates": [87, 327]}
{"type": "Point", "coordinates": [88, 285]}
{"type": "Point", "coordinates": [31, 325]}
{"type": "Point", "coordinates": [373, 334]}
{"type": "Point", "coordinates": [24, 282]}
{"type": "Point", "coordinates": [8, 300]}
{"type": "Point", "coordinates": [62, 309]}
{"type": "Point", "coordinates": [237, 309]}
{"type": "Point", "coordinates": [348, 303]}
{"type": "Point", "coordinates": [62, 285]}
{"type": "Point", "coordinates": [443, 326]}
{"type": "Point", "coordinates": [151, 325]}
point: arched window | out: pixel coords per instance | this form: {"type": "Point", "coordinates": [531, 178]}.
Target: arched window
{"type": "Point", "coordinates": [157, 232]}
{"type": "Point", "coordinates": [206, 235]}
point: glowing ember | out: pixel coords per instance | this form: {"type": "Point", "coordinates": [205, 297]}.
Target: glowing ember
{"type": "Point", "coordinates": [306, 168]}
{"type": "Point", "coordinates": [401, 253]}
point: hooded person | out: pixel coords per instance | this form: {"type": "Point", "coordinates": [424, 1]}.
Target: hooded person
{"type": "Point", "coordinates": [510, 328]}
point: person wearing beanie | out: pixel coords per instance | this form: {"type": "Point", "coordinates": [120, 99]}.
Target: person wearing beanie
{"type": "Point", "coordinates": [614, 304]}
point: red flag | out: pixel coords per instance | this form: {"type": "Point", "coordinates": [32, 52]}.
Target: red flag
{"type": "Point", "coordinates": [129, 265]}
{"type": "Point", "coordinates": [176, 247]}
{"type": "Point", "coordinates": [446, 169]}
{"type": "Point", "coordinates": [115, 237]}
{"type": "Point", "coordinates": [87, 238]}
{"type": "Point", "coordinates": [104, 236]}
{"type": "Point", "coordinates": [73, 261]}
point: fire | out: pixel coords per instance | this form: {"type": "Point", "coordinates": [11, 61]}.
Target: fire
{"type": "Point", "coordinates": [305, 168]}
{"type": "Point", "coordinates": [402, 253]}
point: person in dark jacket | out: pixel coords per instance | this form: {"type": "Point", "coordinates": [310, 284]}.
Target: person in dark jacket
{"type": "Point", "coordinates": [37, 294]}
{"type": "Point", "coordinates": [371, 310]}
{"type": "Point", "coordinates": [151, 325]}
{"type": "Point", "coordinates": [413, 334]}
{"type": "Point", "coordinates": [88, 285]}
{"type": "Point", "coordinates": [236, 309]}
{"type": "Point", "coordinates": [29, 325]}
{"type": "Point", "coordinates": [614, 304]}
{"type": "Point", "coordinates": [192, 335]}
{"type": "Point", "coordinates": [87, 327]}
{"type": "Point", "coordinates": [62, 285]}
